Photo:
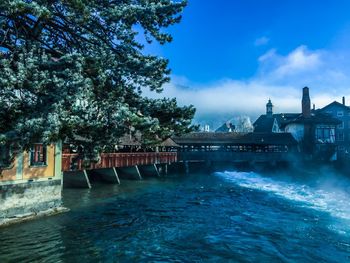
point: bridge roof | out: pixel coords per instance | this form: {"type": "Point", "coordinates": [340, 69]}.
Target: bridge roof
{"type": "Point", "coordinates": [130, 140]}
{"type": "Point", "coordinates": [169, 143]}
{"type": "Point", "coordinates": [231, 138]}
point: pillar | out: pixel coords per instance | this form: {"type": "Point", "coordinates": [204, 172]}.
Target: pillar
{"type": "Point", "coordinates": [76, 179]}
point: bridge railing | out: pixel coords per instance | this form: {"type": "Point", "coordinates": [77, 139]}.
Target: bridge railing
{"type": "Point", "coordinates": [71, 161]}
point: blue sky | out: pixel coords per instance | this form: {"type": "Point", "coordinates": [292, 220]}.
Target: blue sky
{"type": "Point", "coordinates": [229, 54]}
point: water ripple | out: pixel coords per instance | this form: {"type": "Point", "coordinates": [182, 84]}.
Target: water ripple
{"type": "Point", "coordinates": [226, 217]}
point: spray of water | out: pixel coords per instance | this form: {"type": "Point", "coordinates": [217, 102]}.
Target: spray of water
{"type": "Point", "coordinates": [322, 197]}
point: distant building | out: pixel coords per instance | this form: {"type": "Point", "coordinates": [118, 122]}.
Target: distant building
{"type": "Point", "coordinates": [313, 130]}
{"type": "Point", "coordinates": [341, 112]}
{"type": "Point", "coordinates": [226, 127]}
{"type": "Point", "coordinates": [270, 122]}
{"type": "Point", "coordinates": [206, 128]}
{"type": "Point", "coordinates": [239, 124]}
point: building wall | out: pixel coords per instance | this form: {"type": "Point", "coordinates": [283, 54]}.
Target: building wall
{"type": "Point", "coordinates": [9, 174]}
{"type": "Point", "coordinates": [275, 127]}
{"type": "Point", "coordinates": [35, 172]}
{"type": "Point", "coordinates": [297, 131]}
{"type": "Point", "coordinates": [27, 190]}
{"type": "Point", "coordinates": [21, 170]}
{"type": "Point", "coordinates": [335, 110]}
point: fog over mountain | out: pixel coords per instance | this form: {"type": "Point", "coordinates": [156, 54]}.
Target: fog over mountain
{"type": "Point", "coordinates": [279, 77]}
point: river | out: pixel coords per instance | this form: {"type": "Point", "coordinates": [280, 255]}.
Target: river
{"type": "Point", "coordinates": [225, 216]}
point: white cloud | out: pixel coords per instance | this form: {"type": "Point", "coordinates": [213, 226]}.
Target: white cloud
{"type": "Point", "coordinates": [275, 67]}
{"type": "Point", "coordinates": [278, 77]}
{"type": "Point", "coordinates": [268, 55]}
{"type": "Point", "coordinates": [261, 41]}
{"type": "Point", "coordinates": [299, 60]}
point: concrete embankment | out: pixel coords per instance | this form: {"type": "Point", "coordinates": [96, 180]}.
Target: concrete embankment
{"type": "Point", "coordinates": [24, 201]}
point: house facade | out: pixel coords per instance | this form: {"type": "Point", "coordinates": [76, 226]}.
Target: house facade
{"type": "Point", "coordinates": [342, 136]}
{"type": "Point", "coordinates": [32, 183]}
{"type": "Point", "coordinates": [271, 122]}
{"type": "Point", "coordinates": [314, 131]}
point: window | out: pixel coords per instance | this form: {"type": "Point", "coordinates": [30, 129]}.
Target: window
{"type": "Point", "coordinates": [341, 125]}
{"type": "Point", "coordinates": [325, 134]}
{"type": "Point", "coordinates": [5, 156]}
{"type": "Point", "coordinates": [38, 154]}
{"type": "Point", "coordinates": [340, 136]}
{"type": "Point", "coordinates": [341, 148]}
{"type": "Point", "coordinates": [340, 113]}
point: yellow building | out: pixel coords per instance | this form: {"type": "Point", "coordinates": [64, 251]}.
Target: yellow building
{"type": "Point", "coordinates": [32, 184]}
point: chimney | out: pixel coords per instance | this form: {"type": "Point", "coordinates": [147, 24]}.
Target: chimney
{"type": "Point", "coordinates": [306, 103]}
{"type": "Point", "coordinates": [343, 100]}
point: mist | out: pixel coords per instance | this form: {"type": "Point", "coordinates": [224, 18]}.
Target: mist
{"type": "Point", "coordinates": [278, 77]}
{"type": "Point", "coordinates": [322, 189]}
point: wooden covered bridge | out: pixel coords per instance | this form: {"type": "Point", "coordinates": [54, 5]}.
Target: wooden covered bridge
{"type": "Point", "coordinates": [191, 148]}
{"type": "Point", "coordinates": [252, 148]}
{"type": "Point", "coordinates": [130, 161]}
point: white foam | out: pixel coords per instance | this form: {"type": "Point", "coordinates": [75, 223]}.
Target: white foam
{"type": "Point", "coordinates": [336, 203]}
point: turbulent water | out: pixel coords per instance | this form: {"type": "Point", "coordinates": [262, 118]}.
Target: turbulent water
{"type": "Point", "coordinates": [219, 217]}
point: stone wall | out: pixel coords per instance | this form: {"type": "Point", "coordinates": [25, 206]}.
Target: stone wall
{"type": "Point", "coordinates": [26, 199]}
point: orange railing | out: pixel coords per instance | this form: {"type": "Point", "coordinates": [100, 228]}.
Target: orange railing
{"type": "Point", "coordinates": [108, 160]}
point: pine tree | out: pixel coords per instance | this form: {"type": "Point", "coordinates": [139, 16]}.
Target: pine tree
{"type": "Point", "coordinates": [76, 67]}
